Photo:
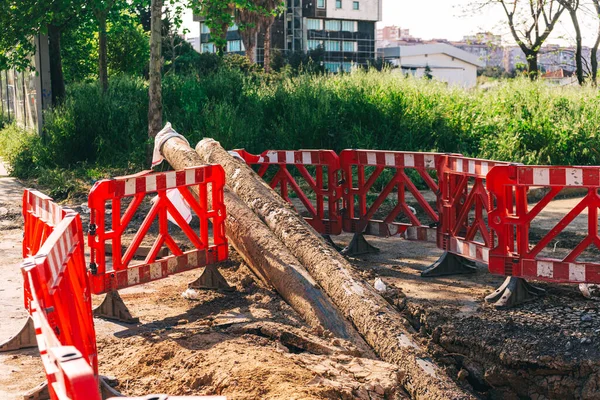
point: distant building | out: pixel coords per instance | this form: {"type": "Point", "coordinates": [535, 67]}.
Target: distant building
{"type": "Point", "coordinates": [560, 77]}
{"type": "Point", "coordinates": [447, 63]}
{"type": "Point", "coordinates": [486, 46]}
{"type": "Point", "coordinates": [195, 42]}
{"type": "Point", "coordinates": [344, 29]}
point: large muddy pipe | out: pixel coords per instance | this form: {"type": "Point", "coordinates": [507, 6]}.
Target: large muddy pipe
{"type": "Point", "coordinates": [381, 325]}
{"type": "Point", "coordinates": [270, 260]}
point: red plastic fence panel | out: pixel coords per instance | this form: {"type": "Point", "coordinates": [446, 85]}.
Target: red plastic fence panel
{"type": "Point", "coordinates": [120, 268]}
{"type": "Point", "coordinates": [516, 254]}
{"type": "Point", "coordinates": [40, 215]}
{"type": "Point", "coordinates": [318, 192]}
{"type": "Point", "coordinates": [366, 213]}
{"type": "Point", "coordinates": [59, 302]}
{"type": "Point", "coordinates": [464, 203]}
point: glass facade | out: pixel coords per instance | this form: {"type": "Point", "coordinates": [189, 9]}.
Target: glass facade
{"type": "Point", "coordinates": [207, 48]}
{"type": "Point", "coordinates": [332, 45]}
{"type": "Point", "coordinates": [315, 24]}
{"type": "Point", "coordinates": [314, 44]}
{"type": "Point", "coordinates": [350, 46]}
{"type": "Point", "coordinates": [333, 25]}
{"type": "Point", "coordinates": [235, 45]}
{"type": "Point", "coordinates": [349, 26]}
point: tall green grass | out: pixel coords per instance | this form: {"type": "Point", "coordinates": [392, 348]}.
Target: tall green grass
{"type": "Point", "coordinates": [516, 120]}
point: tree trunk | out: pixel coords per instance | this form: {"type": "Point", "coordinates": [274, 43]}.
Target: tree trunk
{"type": "Point", "coordinates": [267, 50]}
{"type": "Point", "coordinates": [102, 63]}
{"type": "Point", "coordinates": [532, 65]}
{"type": "Point", "coordinates": [155, 85]}
{"type": "Point", "coordinates": [382, 326]}
{"type": "Point", "coordinates": [578, 53]}
{"type": "Point", "coordinates": [57, 79]}
{"type": "Point", "coordinates": [594, 53]}
{"type": "Point", "coordinates": [250, 51]}
{"type": "Point", "coordinates": [270, 260]}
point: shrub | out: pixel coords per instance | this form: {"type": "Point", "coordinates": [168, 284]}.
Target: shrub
{"type": "Point", "coordinates": [516, 120]}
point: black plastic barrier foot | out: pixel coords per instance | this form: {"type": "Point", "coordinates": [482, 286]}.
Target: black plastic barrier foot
{"type": "Point", "coordinates": [590, 291]}
{"type": "Point", "coordinates": [22, 340]}
{"type": "Point", "coordinates": [106, 387]}
{"type": "Point", "coordinates": [40, 392]}
{"type": "Point", "coordinates": [210, 279]}
{"type": "Point", "coordinates": [358, 246]}
{"type": "Point", "coordinates": [450, 264]}
{"type": "Point", "coordinates": [514, 291]}
{"type": "Point", "coordinates": [114, 308]}
{"type": "Point", "coordinates": [330, 241]}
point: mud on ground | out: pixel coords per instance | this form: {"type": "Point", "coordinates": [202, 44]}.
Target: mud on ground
{"type": "Point", "coordinates": [249, 344]}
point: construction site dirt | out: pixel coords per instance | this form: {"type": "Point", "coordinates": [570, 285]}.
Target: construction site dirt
{"type": "Point", "coordinates": [249, 344]}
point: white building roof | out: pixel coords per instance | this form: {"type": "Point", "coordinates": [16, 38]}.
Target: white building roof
{"type": "Point", "coordinates": [436, 48]}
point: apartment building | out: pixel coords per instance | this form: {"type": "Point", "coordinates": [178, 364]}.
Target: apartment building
{"type": "Point", "coordinates": [343, 29]}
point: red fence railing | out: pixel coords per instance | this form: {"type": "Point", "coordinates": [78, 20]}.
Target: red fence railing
{"type": "Point", "coordinates": [113, 264]}
{"type": "Point", "coordinates": [317, 190]}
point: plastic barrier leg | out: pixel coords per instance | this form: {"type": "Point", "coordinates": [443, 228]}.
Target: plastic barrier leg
{"type": "Point", "coordinates": [114, 308]}
{"type": "Point", "coordinates": [210, 279]}
{"type": "Point", "coordinates": [514, 291]}
{"type": "Point", "coordinates": [22, 340]}
{"type": "Point", "coordinates": [330, 241]}
{"type": "Point", "coordinates": [358, 246]}
{"type": "Point", "coordinates": [450, 264]}
{"type": "Point", "coordinates": [40, 392]}
{"type": "Point", "coordinates": [590, 291]}
{"type": "Point", "coordinates": [106, 387]}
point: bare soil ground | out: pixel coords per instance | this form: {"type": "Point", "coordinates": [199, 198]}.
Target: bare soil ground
{"type": "Point", "coordinates": [249, 344]}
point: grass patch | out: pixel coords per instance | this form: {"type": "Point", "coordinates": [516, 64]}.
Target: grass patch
{"type": "Point", "coordinates": [92, 135]}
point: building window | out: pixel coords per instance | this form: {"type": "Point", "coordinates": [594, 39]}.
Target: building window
{"type": "Point", "coordinates": [320, 3]}
{"type": "Point", "coordinates": [332, 45]}
{"type": "Point", "coordinates": [346, 66]}
{"type": "Point", "coordinates": [315, 24]}
{"type": "Point", "coordinates": [207, 48]}
{"type": "Point", "coordinates": [204, 28]}
{"type": "Point", "coordinates": [355, 5]}
{"type": "Point", "coordinates": [235, 45]}
{"type": "Point", "coordinates": [332, 66]}
{"type": "Point", "coordinates": [338, 3]}
{"type": "Point", "coordinates": [314, 44]}
{"type": "Point", "coordinates": [333, 25]}
{"type": "Point", "coordinates": [350, 46]}
{"type": "Point", "coordinates": [349, 26]}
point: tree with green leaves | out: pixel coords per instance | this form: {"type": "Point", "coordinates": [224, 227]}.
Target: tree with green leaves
{"type": "Point", "coordinates": [270, 10]}
{"type": "Point", "coordinates": [22, 20]}
{"type": "Point", "coordinates": [530, 23]}
{"type": "Point", "coordinates": [218, 16]}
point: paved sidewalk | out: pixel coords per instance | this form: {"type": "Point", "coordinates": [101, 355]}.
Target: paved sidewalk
{"type": "Point", "coordinates": [19, 370]}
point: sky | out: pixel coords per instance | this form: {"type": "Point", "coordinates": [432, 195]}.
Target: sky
{"type": "Point", "coordinates": [452, 19]}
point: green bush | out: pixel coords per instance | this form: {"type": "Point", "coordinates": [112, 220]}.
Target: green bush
{"type": "Point", "coordinates": [516, 120]}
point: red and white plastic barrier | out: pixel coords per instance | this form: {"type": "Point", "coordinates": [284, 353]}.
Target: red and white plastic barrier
{"type": "Point", "coordinates": [463, 206]}
{"type": "Point", "coordinates": [174, 196]}
{"type": "Point", "coordinates": [40, 215]}
{"type": "Point", "coordinates": [360, 212]}
{"type": "Point", "coordinates": [511, 219]}
{"type": "Point", "coordinates": [319, 193]}
{"type": "Point", "coordinates": [57, 297]}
